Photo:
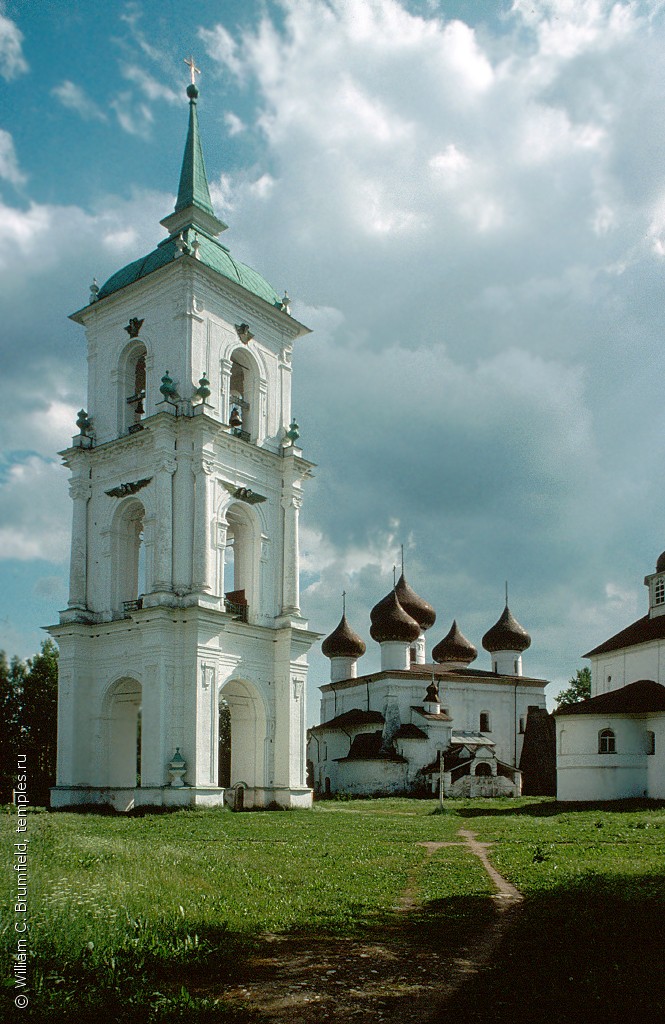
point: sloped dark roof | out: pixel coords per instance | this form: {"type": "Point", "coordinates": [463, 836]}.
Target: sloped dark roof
{"type": "Point", "coordinates": [409, 731]}
{"type": "Point", "coordinates": [637, 698]}
{"type": "Point", "coordinates": [354, 717]}
{"type": "Point", "coordinates": [343, 642]}
{"type": "Point", "coordinates": [441, 717]}
{"type": "Point", "coordinates": [640, 632]}
{"type": "Point", "coordinates": [660, 564]}
{"type": "Point", "coordinates": [368, 746]}
{"type": "Point", "coordinates": [414, 605]}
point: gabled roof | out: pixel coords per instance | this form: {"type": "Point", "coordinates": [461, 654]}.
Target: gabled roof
{"type": "Point", "coordinates": [637, 698]}
{"type": "Point", "coordinates": [354, 717]}
{"type": "Point", "coordinates": [640, 632]}
{"type": "Point", "coordinates": [409, 731]}
{"type": "Point", "coordinates": [368, 746]}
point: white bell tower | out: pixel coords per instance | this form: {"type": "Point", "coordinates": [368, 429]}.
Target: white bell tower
{"type": "Point", "coordinates": [187, 484]}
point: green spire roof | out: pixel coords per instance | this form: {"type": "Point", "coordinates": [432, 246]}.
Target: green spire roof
{"type": "Point", "coordinates": [193, 205]}
{"type": "Point", "coordinates": [193, 189]}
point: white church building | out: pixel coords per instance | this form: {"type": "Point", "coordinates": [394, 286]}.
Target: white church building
{"type": "Point", "coordinates": [421, 723]}
{"type": "Point", "coordinates": [186, 482]}
{"type": "Point", "coordinates": [612, 746]}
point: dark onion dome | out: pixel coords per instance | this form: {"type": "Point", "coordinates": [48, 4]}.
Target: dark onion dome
{"type": "Point", "coordinates": [660, 564]}
{"type": "Point", "coordinates": [391, 622]}
{"type": "Point", "coordinates": [343, 642]}
{"type": "Point", "coordinates": [414, 605]}
{"type": "Point", "coordinates": [455, 647]}
{"type": "Point", "coordinates": [506, 635]}
{"type": "Point", "coordinates": [432, 695]}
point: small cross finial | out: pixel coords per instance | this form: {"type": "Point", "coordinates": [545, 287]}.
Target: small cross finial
{"type": "Point", "coordinates": [506, 593]}
{"type": "Point", "coordinates": [402, 550]}
{"type": "Point", "coordinates": [344, 602]}
{"type": "Point", "coordinates": [193, 70]}
{"type": "Point", "coordinates": [394, 575]}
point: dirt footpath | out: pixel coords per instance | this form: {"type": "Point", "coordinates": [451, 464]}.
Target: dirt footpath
{"type": "Point", "coordinates": [405, 975]}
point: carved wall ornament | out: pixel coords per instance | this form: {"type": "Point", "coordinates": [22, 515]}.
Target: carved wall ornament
{"type": "Point", "coordinates": [134, 326]}
{"type": "Point", "coordinates": [245, 494]}
{"type": "Point", "coordinates": [244, 333]}
{"type": "Point", "coordinates": [130, 488]}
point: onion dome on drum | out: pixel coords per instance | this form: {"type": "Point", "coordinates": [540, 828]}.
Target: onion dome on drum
{"type": "Point", "coordinates": [660, 564]}
{"type": "Point", "coordinates": [391, 623]}
{"type": "Point", "coordinates": [506, 635]}
{"type": "Point", "coordinates": [414, 605]}
{"type": "Point", "coordinates": [455, 647]}
{"type": "Point", "coordinates": [343, 642]}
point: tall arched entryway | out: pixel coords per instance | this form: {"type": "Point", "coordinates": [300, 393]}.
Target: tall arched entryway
{"type": "Point", "coordinates": [243, 728]}
{"type": "Point", "coordinates": [122, 734]}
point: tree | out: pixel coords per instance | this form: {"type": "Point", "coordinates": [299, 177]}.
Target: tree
{"type": "Point", "coordinates": [579, 688]}
{"type": "Point", "coordinates": [28, 721]}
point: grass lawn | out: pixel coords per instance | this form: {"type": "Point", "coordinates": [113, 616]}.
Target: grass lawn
{"type": "Point", "coordinates": [126, 913]}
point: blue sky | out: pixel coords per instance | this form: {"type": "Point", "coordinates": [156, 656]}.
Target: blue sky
{"type": "Point", "coordinates": [467, 203]}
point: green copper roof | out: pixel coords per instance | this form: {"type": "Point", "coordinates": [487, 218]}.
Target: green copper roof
{"type": "Point", "coordinates": [193, 188]}
{"type": "Point", "coordinates": [193, 221]}
{"type": "Point", "coordinates": [211, 253]}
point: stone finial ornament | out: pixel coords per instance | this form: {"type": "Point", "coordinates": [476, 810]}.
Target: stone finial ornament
{"type": "Point", "coordinates": [94, 290]}
{"type": "Point", "coordinates": [203, 390]}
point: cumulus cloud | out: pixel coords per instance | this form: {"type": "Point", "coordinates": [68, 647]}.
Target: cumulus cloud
{"type": "Point", "coordinates": [12, 61]}
{"type": "Point", "coordinates": [9, 166]}
{"type": "Point", "coordinates": [75, 98]}
{"type": "Point", "coordinates": [34, 529]}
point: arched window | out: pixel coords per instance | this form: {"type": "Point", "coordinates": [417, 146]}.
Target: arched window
{"type": "Point", "coordinates": [563, 742]}
{"type": "Point", "coordinates": [483, 770]}
{"type": "Point", "coordinates": [650, 742]}
{"type": "Point", "coordinates": [224, 758]}
{"type": "Point", "coordinates": [243, 399]}
{"type": "Point", "coordinates": [522, 723]}
{"type": "Point", "coordinates": [485, 723]}
{"type": "Point", "coordinates": [128, 562]}
{"type": "Point", "coordinates": [240, 562]}
{"type": "Point", "coordinates": [132, 388]}
{"type": "Point", "coordinates": [606, 742]}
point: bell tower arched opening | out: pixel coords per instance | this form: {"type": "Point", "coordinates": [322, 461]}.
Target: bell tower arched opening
{"type": "Point", "coordinates": [131, 388]}
{"type": "Point", "coordinates": [241, 562]}
{"type": "Point", "coordinates": [128, 576]}
{"type": "Point", "coordinates": [123, 733]}
{"type": "Point", "coordinates": [246, 738]}
{"type": "Point", "coordinates": [244, 397]}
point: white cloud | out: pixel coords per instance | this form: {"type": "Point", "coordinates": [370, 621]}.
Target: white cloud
{"type": "Point", "coordinates": [221, 46]}
{"type": "Point", "coordinates": [9, 166]}
{"type": "Point", "coordinates": [12, 61]}
{"type": "Point", "coordinates": [153, 89]}
{"type": "Point", "coordinates": [234, 124]}
{"type": "Point", "coordinates": [31, 529]}
{"type": "Point", "coordinates": [134, 118]}
{"type": "Point", "coordinates": [75, 98]}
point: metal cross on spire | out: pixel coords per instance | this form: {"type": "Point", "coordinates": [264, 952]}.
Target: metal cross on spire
{"type": "Point", "coordinates": [506, 593]}
{"type": "Point", "coordinates": [402, 550]}
{"type": "Point", "coordinates": [193, 70]}
{"type": "Point", "coordinates": [344, 602]}
{"type": "Point", "coordinates": [394, 576]}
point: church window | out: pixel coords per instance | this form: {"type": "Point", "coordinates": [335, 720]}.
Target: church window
{"type": "Point", "coordinates": [659, 591]}
{"type": "Point", "coordinates": [327, 786]}
{"type": "Point", "coordinates": [650, 742]}
{"type": "Point", "coordinates": [483, 770]}
{"type": "Point", "coordinates": [522, 724]}
{"type": "Point", "coordinates": [606, 742]}
{"type": "Point", "coordinates": [485, 725]}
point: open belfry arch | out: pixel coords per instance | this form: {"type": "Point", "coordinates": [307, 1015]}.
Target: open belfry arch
{"type": "Point", "coordinates": [186, 479]}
